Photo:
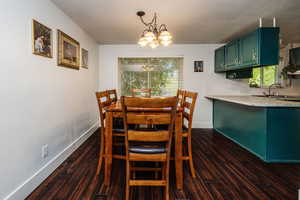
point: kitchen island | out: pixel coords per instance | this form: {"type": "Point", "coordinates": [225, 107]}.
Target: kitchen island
{"type": "Point", "coordinates": [267, 127]}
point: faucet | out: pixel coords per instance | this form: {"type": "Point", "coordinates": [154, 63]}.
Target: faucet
{"type": "Point", "coordinates": [278, 85]}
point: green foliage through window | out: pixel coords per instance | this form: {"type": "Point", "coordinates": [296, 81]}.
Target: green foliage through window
{"type": "Point", "coordinates": [264, 76]}
{"type": "Point", "coordinates": [162, 75]}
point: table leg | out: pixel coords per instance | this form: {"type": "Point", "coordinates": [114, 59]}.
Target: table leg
{"type": "Point", "coordinates": [108, 148]}
{"type": "Point", "coordinates": [178, 152]}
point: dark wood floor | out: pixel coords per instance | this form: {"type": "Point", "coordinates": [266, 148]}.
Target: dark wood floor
{"type": "Point", "coordinates": [224, 171]}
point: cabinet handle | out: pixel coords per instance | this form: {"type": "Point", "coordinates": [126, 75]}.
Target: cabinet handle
{"type": "Point", "coordinates": [253, 54]}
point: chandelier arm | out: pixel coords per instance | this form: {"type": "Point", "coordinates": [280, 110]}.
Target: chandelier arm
{"type": "Point", "coordinates": [148, 24]}
{"type": "Point", "coordinates": [162, 27]}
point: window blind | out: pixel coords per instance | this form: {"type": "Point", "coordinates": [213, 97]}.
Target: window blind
{"type": "Point", "coordinates": [163, 75]}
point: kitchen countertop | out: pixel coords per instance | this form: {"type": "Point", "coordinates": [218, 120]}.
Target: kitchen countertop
{"type": "Point", "coordinates": [255, 101]}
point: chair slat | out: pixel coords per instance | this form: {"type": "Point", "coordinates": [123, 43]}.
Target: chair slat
{"type": "Point", "coordinates": [148, 136]}
{"type": "Point", "coordinates": [147, 183]}
{"type": "Point", "coordinates": [143, 118]}
{"type": "Point", "coordinates": [148, 157]}
{"type": "Point", "coordinates": [157, 102]}
{"type": "Point", "coordinates": [186, 115]}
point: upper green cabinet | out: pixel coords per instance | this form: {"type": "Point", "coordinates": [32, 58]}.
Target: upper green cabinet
{"type": "Point", "coordinates": [220, 59]}
{"type": "Point", "coordinates": [232, 57]}
{"type": "Point", "coordinates": [295, 56]}
{"type": "Point", "coordinates": [258, 48]}
{"type": "Point", "coordinates": [249, 49]}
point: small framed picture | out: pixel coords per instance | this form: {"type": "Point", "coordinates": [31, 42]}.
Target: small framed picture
{"type": "Point", "coordinates": [41, 39]}
{"type": "Point", "coordinates": [84, 58]}
{"type": "Point", "coordinates": [68, 51]}
{"type": "Point", "coordinates": [198, 66]}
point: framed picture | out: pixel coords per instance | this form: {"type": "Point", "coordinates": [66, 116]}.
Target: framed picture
{"type": "Point", "coordinates": [198, 66]}
{"type": "Point", "coordinates": [41, 39]}
{"type": "Point", "coordinates": [84, 58]}
{"type": "Point", "coordinates": [68, 51]}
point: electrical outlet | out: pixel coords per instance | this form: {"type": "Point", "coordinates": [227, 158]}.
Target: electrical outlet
{"type": "Point", "coordinates": [45, 151]}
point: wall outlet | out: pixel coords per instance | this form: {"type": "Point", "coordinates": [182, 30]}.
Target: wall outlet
{"type": "Point", "coordinates": [45, 151]}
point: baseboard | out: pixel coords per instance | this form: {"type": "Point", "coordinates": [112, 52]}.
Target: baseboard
{"type": "Point", "coordinates": [22, 191]}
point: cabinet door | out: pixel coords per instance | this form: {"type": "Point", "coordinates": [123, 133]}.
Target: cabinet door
{"type": "Point", "coordinates": [232, 55]}
{"type": "Point", "coordinates": [220, 60]}
{"type": "Point", "coordinates": [249, 50]}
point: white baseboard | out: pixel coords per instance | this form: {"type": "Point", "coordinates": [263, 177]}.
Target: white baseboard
{"type": "Point", "coordinates": [22, 191]}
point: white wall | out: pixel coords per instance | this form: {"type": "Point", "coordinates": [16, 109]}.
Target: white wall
{"type": "Point", "coordinates": [205, 83]}
{"type": "Point", "coordinates": [40, 102]}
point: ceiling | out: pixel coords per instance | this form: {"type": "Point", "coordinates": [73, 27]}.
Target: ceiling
{"type": "Point", "coordinates": [189, 21]}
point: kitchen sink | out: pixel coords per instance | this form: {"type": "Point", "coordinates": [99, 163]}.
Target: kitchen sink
{"type": "Point", "coordinates": [281, 97]}
{"type": "Point", "coordinates": [270, 96]}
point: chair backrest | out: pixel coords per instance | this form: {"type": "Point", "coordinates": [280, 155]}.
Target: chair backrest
{"type": "Point", "coordinates": [189, 102]}
{"type": "Point", "coordinates": [103, 101]}
{"type": "Point", "coordinates": [165, 112]}
{"type": "Point", "coordinates": [144, 92]}
{"type": "Point", "coordinates": [112, 94]}
{"type": "Point", "coordinates": [180, 96]}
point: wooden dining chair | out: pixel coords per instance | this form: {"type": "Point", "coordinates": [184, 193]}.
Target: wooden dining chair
{"type": "Point", "coordinates": [144, 92]}
{"type": "Point", "coordinates": [112, 94]}
{"type": "Point", "coordinates": [103, 101]}
{"type": "Point", "coordinates": [180, 96]}
{"type": "Point", "coordinates": [148, 145]}
{"type": "Point", "coordinates": [188, 105]}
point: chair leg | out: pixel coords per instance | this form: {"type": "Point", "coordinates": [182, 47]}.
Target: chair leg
{"type": "Point", "coordinates": [127, 190]}
{"type": "Point", "coordinates": [101, 155]}
{"type": "Point", "coordinates": [166, 192]}
{"type": "Point", "coordinates": [192, 169]}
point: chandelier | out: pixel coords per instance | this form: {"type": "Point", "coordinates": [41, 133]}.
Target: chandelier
{"type": "Point", "coordinates": [154, 35]}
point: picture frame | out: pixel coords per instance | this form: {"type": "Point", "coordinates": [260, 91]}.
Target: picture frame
{"type": "Point", "coordinates": [68, 51]}
{"type": "Point", "coordinates": [42, 40]}
{"type": "Point", "coordinates": [84, 58]}
{"type": "Point", "coordinates": [198, 66]}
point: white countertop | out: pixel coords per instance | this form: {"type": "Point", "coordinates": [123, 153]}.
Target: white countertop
{"type": "Point", "coordinates": [255, 101]}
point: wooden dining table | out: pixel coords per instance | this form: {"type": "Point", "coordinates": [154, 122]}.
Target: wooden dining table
{"type": "Point", "coordinates": [115, 111]}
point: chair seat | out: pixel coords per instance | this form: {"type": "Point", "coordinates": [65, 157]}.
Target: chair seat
{"type": "Point", "coordinates": [149, 148]}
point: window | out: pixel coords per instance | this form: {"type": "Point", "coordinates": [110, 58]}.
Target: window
{"type": "Point", "coordinates": [162, 75]}
{"type": "Point", "coordinates": [264, 76]}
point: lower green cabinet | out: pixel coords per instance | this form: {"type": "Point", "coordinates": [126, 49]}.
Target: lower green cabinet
{"type": "Point", "coordinates": [270, 133]}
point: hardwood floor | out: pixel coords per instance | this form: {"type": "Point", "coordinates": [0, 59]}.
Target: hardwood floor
{"type": "Point", "coordinates": [223, 171]}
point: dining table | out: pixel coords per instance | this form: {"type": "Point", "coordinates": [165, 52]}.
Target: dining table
{"type": "Point", "coordinates": [115, 111]}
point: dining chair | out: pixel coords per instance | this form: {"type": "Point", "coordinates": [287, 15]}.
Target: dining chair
{"type": "Point", "coordinates": [144, 92]}
{"type": "Point", "coordinates": [112, 94]}
{"type": "Point", "coordinates": [188, 105]}
{"type": "Point", "coordinates": [103, 101]}
{"type": "Point", "coordinates": [180, 96]}
{"type": "Point", "coordinates": [148, 145]}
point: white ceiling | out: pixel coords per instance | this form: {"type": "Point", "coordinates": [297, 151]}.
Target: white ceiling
{"type": "Point", "coordinates": [190, 21]}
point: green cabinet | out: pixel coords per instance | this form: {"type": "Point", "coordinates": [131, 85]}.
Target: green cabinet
{"type": "Point", "coordinates": [295, 56]}
{"type": "Point", "coordinates": [249, 49]}
{"type": "Point", "coordinates": [258, 48]}
{"type": "Point", "coordinates": [220, 59]}
{"type": "Point", "coordinates": [232, 55]}
{"type": "Point", "coordinates": [271, 133]}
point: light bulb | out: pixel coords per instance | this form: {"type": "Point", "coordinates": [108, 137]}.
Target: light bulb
{"type": "Point", "coordinates": [165, 35]}
{"type": "Point", "coordinates": [166, 42]}
{"type": "Point", "coordinates": [149, 36]}
{"type": "Point", "coordinates": [154, 44]}
{"type": "Point", "coordinates": [143, 41]}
